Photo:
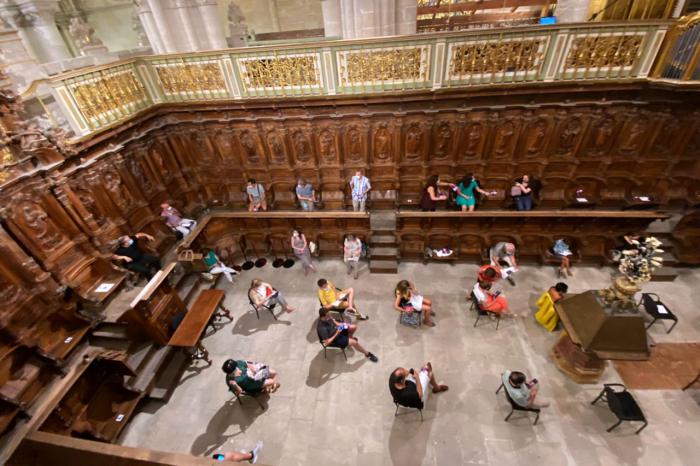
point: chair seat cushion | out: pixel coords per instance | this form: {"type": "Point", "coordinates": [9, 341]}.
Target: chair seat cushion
{"type": "Point", "coordinates": [625, 407]}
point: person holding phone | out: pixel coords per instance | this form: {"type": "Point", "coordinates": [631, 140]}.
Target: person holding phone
{"type": "Point", "coordinates": [410, 389]}
{"type": "Point", "coordinates": [249, 377]}
{"type": "Point", "coordinates": [238, 457]}
{"type": "Point", "coordinates": [339, 334]}
{"type": "Point", "coordinates": [489, 300]}
{"type": "Point", "coordinates": [522, 391]}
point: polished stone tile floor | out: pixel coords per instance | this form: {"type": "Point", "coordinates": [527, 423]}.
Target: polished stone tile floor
{"type": "Point", "coordinates": [340, 413]}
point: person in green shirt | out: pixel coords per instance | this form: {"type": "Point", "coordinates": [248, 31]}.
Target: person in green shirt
{"type": "Point", "coordinates": [216, 266]}
{"type": "Point", "coordinates": [249, 377]}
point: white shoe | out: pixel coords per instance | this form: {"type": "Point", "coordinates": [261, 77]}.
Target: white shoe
{"type": "Point", "coordinates": [256, 452]}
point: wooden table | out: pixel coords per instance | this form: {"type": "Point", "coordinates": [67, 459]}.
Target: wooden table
{"type": "Point", "coordinates": [197, 319]}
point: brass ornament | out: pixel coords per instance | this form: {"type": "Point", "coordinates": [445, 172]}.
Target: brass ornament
{"type": "Point", "coordinates": [118, 91]}
{"type": "Point", "coordinates": [383, 65]}
{"type": "Point", "coordinates": [183, 78]}
{"type": "Point", "coordinates": [505, 56]}
{"type": "Point", "coordinates": [604, 51]}
{"type": "Point", "coordinates": [280, 72]}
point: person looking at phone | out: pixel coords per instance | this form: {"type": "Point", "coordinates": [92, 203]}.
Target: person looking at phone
{"type": "Point", "coordinates": [249, 377]}
{"type": "Point", "coordinates": [334, 298]}
{"type": "Point", "coordinates": [238, 457]}
{"type": "Point", "coordinates": [305, 194]}
{"type": "Point", "coordinates": [339, 334]}
{"type": "Point", "coordinates": [410, 389]}
{"type": "Point", "coordinates": [488, 300]}
{"type": "Point", "coordinates": [522, 391]}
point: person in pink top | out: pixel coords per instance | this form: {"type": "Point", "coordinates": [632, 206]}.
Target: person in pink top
{"type": "Point", "coordinates": [173, 218]}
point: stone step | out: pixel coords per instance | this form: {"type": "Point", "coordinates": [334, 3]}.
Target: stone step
{"type": "Point", "coordinates": [382, 221]}
{"type": "Point", "coordinates": [148, 370]}
{"type": "Point", "coordinates": [169, 376]}
{"type": "Point", "coordinates": [138, 354]}
{"type": "Point", "coordinates": [669, 258]}
{"type": "Point", "coordinates": [664, 274]}
{"type": "Point", "coordinates": [383, 266]}
{"type": "Point", "coordinates": [380, 253]}
{"type": "Point", "coordinates": [111, 330]}
{"type": "Point", "coordinates": [382, 240]}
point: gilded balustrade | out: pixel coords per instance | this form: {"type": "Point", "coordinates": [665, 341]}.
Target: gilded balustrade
{"type": "Point", "coordinates": [99, 98]}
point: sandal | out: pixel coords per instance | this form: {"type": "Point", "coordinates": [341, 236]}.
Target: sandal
{"type": "Point", "coordinates": [441, 388]}
{"type": "Point", "coordinates": [289, 309]}
{"type": "Point", "coordinates": [275, 387]}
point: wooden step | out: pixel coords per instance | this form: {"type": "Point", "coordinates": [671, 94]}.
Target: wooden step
{"type": "Point", "coordinates": [382, 240]}
{"type": "Point", "coordinates": [111, 330]}
{"type": "Point", "coordinates": [383, 253]}
{"type": "Point", "coordinates": [383, 266]}
{"type": "Point", "coordinates": [382, 221]}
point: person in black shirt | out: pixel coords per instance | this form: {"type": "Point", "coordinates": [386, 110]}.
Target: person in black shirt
{"type": "Point", "coordinates": [133, 257]}
{"type": "Point", "coordinates": [339, 334]}
{"type": "Point", "coordinates": [411, 390]}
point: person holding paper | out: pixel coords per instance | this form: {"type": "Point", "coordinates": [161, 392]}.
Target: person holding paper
{"type": "Point", "coordinates": [334, 298]}
{"type": "Point", "coordinates": [249, 377]}
{"type": "Point", "coordinates": [562, 251]}
{"type": "Point", "coordinates": [503, 258]}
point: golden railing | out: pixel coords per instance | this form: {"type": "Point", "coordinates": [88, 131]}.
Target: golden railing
{"type": "Point", "coordinates": [101, 97]}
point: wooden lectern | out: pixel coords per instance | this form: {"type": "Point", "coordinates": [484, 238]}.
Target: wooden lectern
{"type": "Point", "coordinates": [594, 334]}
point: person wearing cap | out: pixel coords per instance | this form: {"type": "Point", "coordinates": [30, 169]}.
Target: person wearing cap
{"type": "Point", "coordinates": [249, 377]}
{"type": "Point", "coordinates": [133, 258]}
{"type": "Point", "coordinates": [502, 257]}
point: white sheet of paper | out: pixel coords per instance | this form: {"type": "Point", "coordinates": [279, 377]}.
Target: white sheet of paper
{"type": "Point", "coordinates": [104, 287]}
{"type": "Point", "coordinates": [581, 199]}
{"type": "Point", "coordinates": [644, 198]}
{"type": "Point", "coordinates": [661, 309]}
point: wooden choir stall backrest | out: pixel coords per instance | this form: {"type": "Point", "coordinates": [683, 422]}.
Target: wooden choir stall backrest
{"type": "Point", "coordinates": [156, 306]}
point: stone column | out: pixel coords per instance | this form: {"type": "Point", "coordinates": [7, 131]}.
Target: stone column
{"type": "Point", "coordinates": [406, 11]}
{"type": "Point", "coordinates": [274, 17]}
{"type": "Point", "coordinates": [184, 14]}
{"type": "Point", "coordinates": [213, 25]}
{"type": "Point", "coordinates": [36, 24]}
{"type": "Point", "coordinates": [145, 15]}
{"type": "Point", "coordinates": [163, 26]}
{"type": "Point", "coordinates": [332, 22]}
{"type": "Point", "coordinates": [352, 19]}
{"type": "Point", "coordinates": [572, 11]}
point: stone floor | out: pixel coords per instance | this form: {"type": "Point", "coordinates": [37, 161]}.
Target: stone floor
{"type": "Point", "coordinates": [341, 413]}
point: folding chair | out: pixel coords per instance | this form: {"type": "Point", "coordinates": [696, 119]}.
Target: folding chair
{"type": "Point", "coordinates": [516, 407]}
{"type": "Point", "coordinates": [622, 404]}
{"type": "Point", "coordinates": [255, 307]}
{"type": "Point", "coordinates": [475, 305]}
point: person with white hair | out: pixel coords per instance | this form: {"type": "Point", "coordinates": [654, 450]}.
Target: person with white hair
{"type": "Point", "coordinates": [502, 257]}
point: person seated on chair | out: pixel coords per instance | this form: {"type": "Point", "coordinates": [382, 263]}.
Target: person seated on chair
{"type": "Point", "coordinates": [521, 391]}
{"type": "Point", "coordinates": [240, 456]}
{"type": "Point", "coordinates": [134, 258]}
{"type": "Point", "coordinates": [333, 298]}
{"type": "Point", "coordinates": [261, 293]}
{"type": "Point", "coordinates": [339, 334]}
{"type": "Point", "coordinates": [305, 195]}
{"type": "Point", "coordinates": [488, 274]}
{"type": "Point", "coordinates": [256, 196]}
{"type": "Point", "coordinates": [249, 377]}
{"type": "Point", "coordinates": [174, 220]}
{"type": "Point", "coordinates": [412, 393]}
{"type": "Point", "coordinates": [488, 301]}
{"type": "Point", "coordinates": [502, 257]}
{"type": "Point", "coordinates": [216, 266]}
{"type": "Point", "coordinates": [409, 300]}
{"type": "Point", "coordinates": [562, 251]}
{"type": "Point", "coordinates": [558, 291]}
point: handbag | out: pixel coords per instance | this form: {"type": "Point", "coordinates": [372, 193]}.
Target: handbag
{"type": "Point", "coordinates": [312, 247]}
{"type": "Point", "coordinates": [515, 191]}
{"type": "Point", "coordinates": [410, 318]}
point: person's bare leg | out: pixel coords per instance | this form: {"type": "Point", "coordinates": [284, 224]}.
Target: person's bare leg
{"type": "Point", "coordinates": [427, 318]}
{"type": "Point", "coordinates": [471, 208]}
{"type": "Point", "coordinates": [464, 207]}
{"type": "Point", "coordinates": [351, 329]}
{"type": "Point", "coordinates": [356, 344]}
{"type": "Point", "coordinates": [263, 204]}
{"type": "Point", "coordinates": [351, 298]}
{"type": "Point", "coordinates": [235, 456]}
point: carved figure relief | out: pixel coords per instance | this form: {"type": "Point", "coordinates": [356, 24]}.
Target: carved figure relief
{"type": "Point", "coordinates": [504, 138]}
{"type": "Point", "coordinates": [667, 138]}
{"type": "Point", "coordinates": [443, 141]}
{"type": "Point", "coordinates": [276, 147]}
{"type": "Point", "coordinates": [250, 152]}
{"type": "Point", "coordinates": [88, 202]}
{"type": "Point", "coordinates": [9, 293]}
{"type": "Point", "coordinates": [37, 220]}
{"type": "Point", "coordinates": [535, 137]}
{"type": "Point", "coordinates": [473, 137]}
{"type": "Point", "coordinates": [414, 144]}
{"type": "Point", "coordinates": [118, 193]}
{"type": "Point", "coordinates": [634, 139]}
{"type": "Point", "coordinates": [569, 136]}
{"type": "Point", "coordinates": [302, 148]}
{"type": "Point", "coordinates": [327, 147]}
{"type": "Point", "coordinates": [382, 145]}
{"type": "Point", "coordinates": [354, 139]}
{"type": "Point", "coordinates": [600, 136]}
{"type": "Point", "coordinates": [137, 172]}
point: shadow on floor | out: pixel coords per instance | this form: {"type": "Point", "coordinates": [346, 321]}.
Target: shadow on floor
{"type": "Point", "coordinates": [192, 371]}
{"type": "Point", "coordinates": [408, 440]}
{"type": "Point", "coordinates": [248, 323]}
{"type": "Point", "coordinates": [324, 370]}
{"type": "Point", "coordinates": [231, 413]}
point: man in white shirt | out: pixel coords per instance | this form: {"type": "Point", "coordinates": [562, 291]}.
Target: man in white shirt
{"type": "Point", "coordinates": [360, 186]}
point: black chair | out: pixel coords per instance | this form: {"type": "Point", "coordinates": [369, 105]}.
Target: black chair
{"type": "Point", "coordinates": [516, 407]}
{"type": "Point", "coordinates": [651, 303]}
{"type": "Point", "coordinates": [243, 393]}
{"type": "Point", "coordinates": [255, 307]}
{"type": "Point", "coordinates": [622, 404]}
{"type": "Point", "coordinates": [475, 305]}
{"type": "Point", "coordinates": [320, 340]}
{"type": "Point", "coordinates": [396, 413]}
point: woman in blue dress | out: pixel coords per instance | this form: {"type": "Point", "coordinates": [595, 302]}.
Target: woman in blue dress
{"type": "Point", "coordinates": [466, 190]}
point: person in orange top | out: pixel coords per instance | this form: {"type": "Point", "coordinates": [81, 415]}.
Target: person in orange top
{"type": "Point", "coordinates": [488, 301]}
{"type": "Point", "coordinates": [488, 274]}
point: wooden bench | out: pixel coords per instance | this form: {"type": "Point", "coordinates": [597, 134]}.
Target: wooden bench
{"type": "Point", "coordinates": [200, 315]}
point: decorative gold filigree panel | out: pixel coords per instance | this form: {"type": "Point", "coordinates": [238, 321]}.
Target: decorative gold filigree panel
{"type": "Point", "coordinates": [383, 65]}
{"type": "Point", "coordinates": [6, 159]}
{"type": "Point", "coordinates": [115, 92]}
{"type": "Point", "coordinates": [522, 55]}
{"type": "Point", "coordinates": [176, 78]}
{"type": "Point", "coordinates": [604, 51]}
{"type": "Point", "coordinates": [280, 72]}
